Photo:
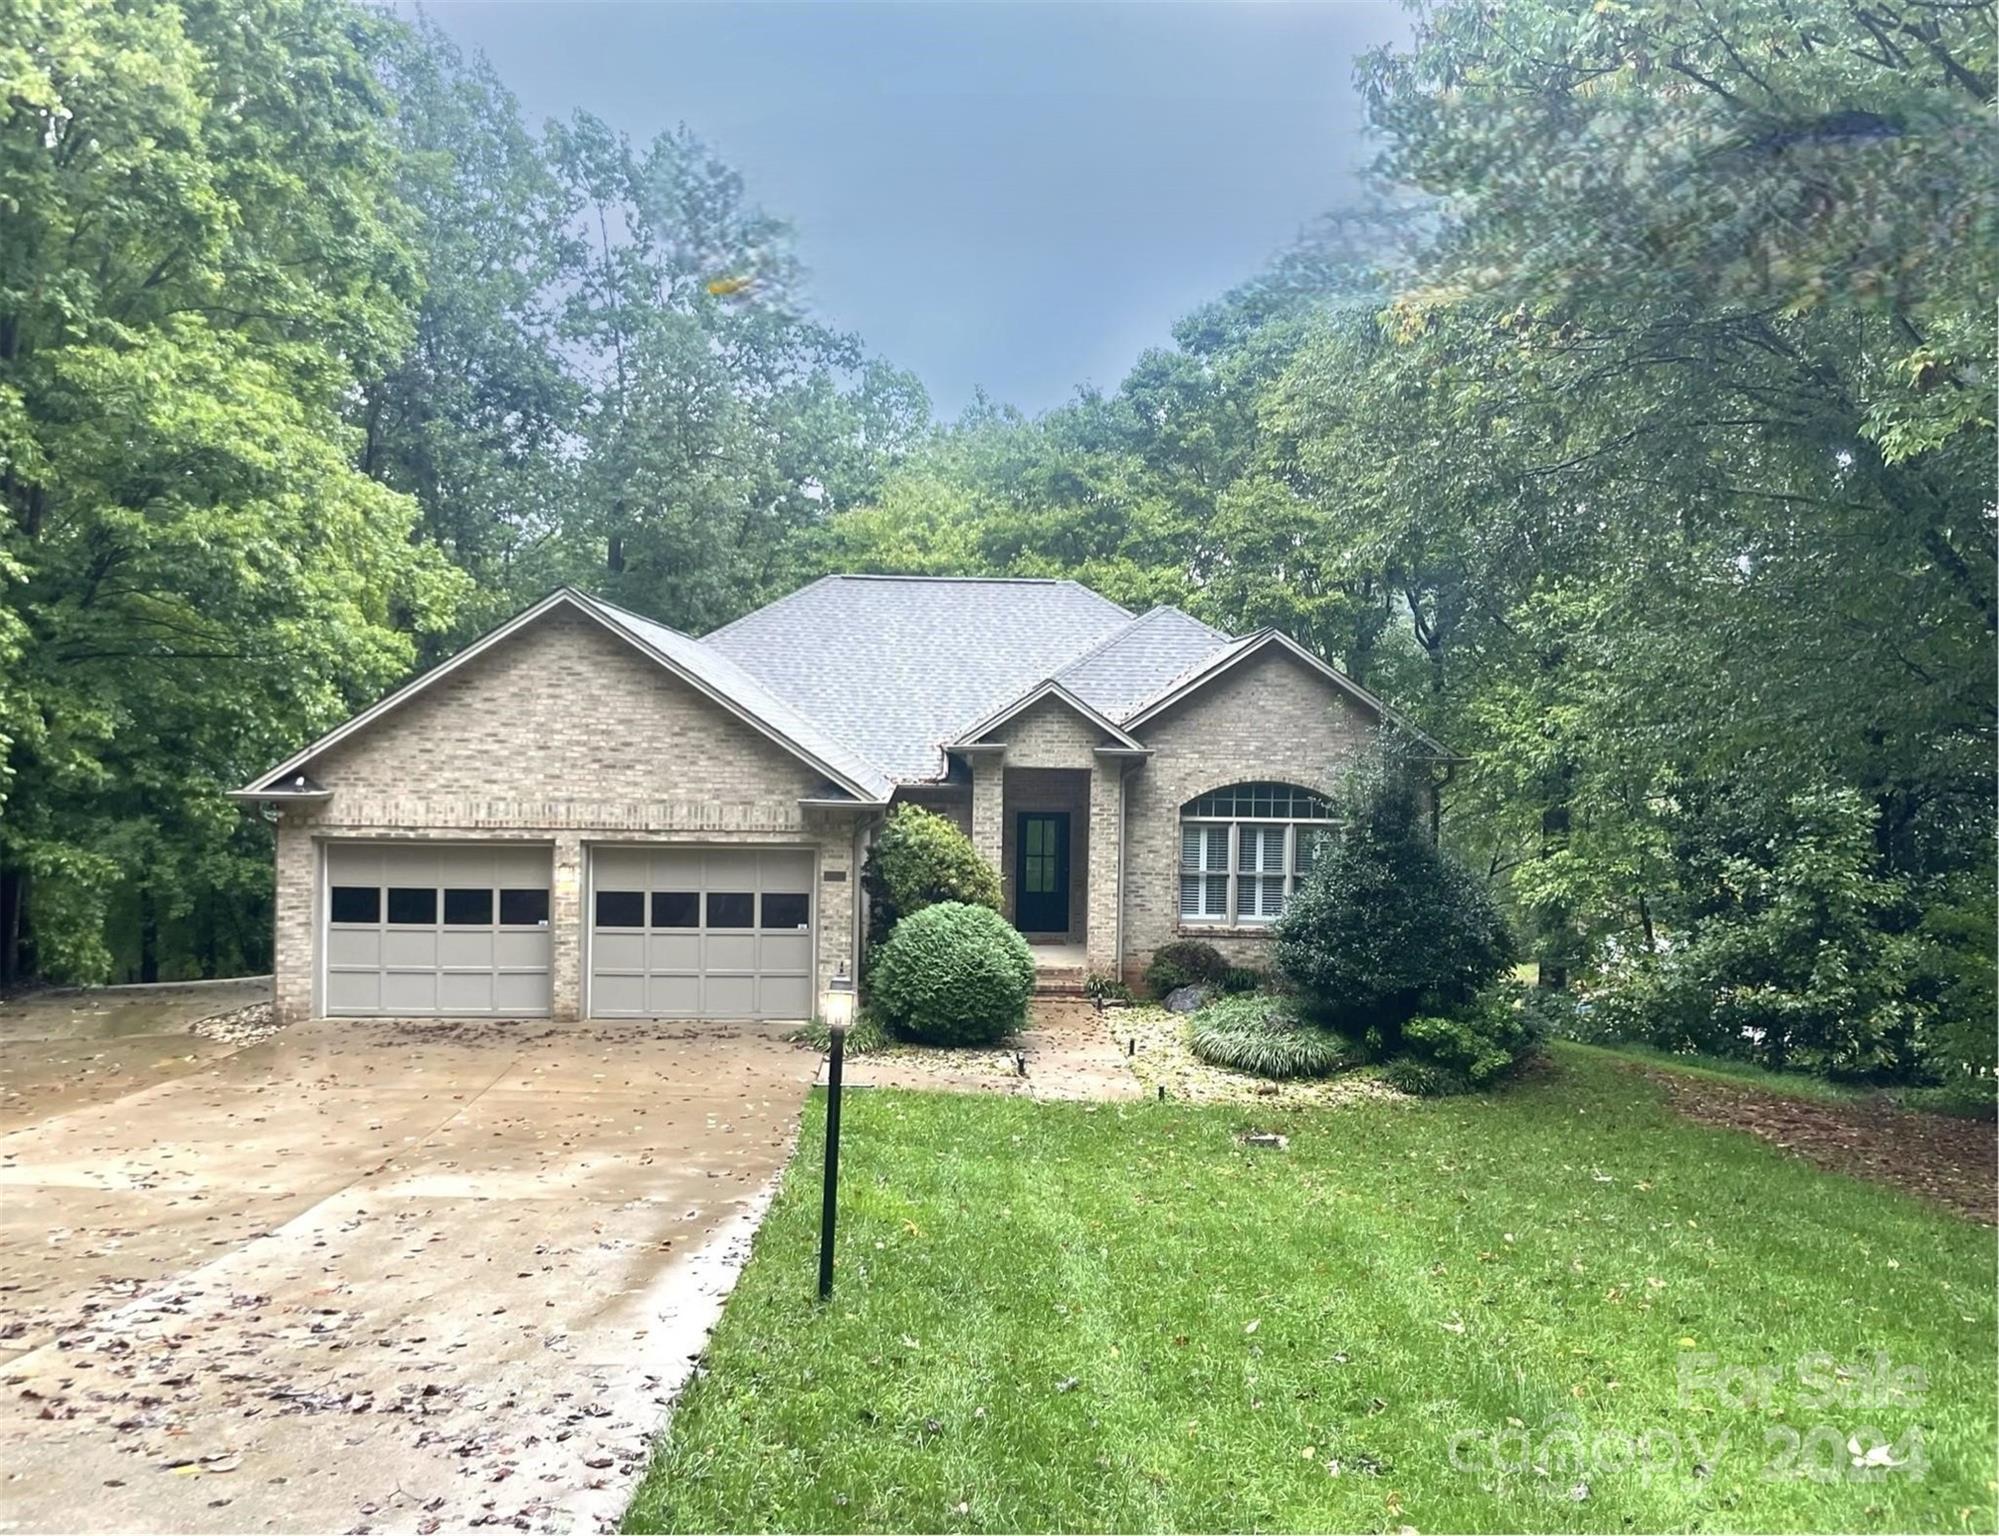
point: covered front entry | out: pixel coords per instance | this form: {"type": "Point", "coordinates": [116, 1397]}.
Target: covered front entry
{"type": "Point", "coordinates": [1041, 872]}
{"type": "Point", "coordinates": [701, 933]}
{"type": "Point", "coordinates": [429, 929]}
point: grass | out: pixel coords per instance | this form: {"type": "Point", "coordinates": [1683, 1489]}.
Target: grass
{"type": "Point", "coordinates": [1968, 1097]}
{"type": "Point", "coordinates": [1072, 1317]}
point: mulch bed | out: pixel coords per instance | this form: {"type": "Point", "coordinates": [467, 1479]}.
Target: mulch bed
{"type": "Point", "coordinates": [1951, 1161]}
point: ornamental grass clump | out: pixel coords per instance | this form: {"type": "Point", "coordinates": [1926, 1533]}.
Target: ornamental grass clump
{"type": "Point", "coordinates": [952, 974]}
{"type": "Point", "coordinates": [1263, 1035]}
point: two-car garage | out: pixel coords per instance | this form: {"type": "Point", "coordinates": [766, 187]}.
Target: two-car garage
{"type": "Point", "coordinates": [672, 931]}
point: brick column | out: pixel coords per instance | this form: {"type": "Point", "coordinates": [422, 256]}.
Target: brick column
{"type": "Point", "coordinates": [989, 809]}
{"type": "Point", "coordinates": [1102, 938]}
{"type": "Point", "coordinates": [565, 929]}
{"type": "Point", "coordinates": [297, 920]}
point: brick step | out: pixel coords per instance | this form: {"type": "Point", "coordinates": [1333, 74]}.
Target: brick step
{"type": "Point", "coordinates": [1059, 981]}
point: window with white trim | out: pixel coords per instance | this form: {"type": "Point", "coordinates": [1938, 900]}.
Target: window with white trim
{"type": "Point", "coordinates": [1244, 849]}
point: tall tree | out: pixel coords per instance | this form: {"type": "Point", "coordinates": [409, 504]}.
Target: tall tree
{"type": "Point", "coordinates": [197, 262]}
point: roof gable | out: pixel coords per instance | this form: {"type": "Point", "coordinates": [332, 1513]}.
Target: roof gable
{"type": "Point", "coordinates": [1051, 689]}
{"type": "Point", "coordinates": [1231, 656]}
{"type": "Point", "coordinates": [1132, 664]}
{"type": "Point", "coordinates": [710, 675]}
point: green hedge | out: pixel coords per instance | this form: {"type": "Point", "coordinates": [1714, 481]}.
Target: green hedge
{"type": "Point", "coordinates": [919, 860]}
{"type": "Point", "coordinates": [952, 974]}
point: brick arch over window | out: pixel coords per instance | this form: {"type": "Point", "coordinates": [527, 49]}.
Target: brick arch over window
{"type": "Point", "coordinates": [1245, 846]}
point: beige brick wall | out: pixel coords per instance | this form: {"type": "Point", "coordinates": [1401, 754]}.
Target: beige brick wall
{"type": "Point", "coordinates": [1049, 735]}
{"type": "Point", "coordinates": [1271, 718]}
{"type": "Point", "coordinates": [563, 735]}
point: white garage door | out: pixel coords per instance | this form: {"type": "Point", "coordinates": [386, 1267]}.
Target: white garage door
{"type": "Point", "coordinates": [436, 930]}
{"type": "Point", "coordinates": [701, 933]}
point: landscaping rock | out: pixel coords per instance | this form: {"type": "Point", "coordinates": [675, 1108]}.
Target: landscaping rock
{"type": "Point", "coordinates": [1189, 999]}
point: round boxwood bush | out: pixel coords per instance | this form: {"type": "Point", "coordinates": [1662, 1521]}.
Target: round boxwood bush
{"type": "Point", "coordinates": [1262, 1035]}
{"type": "Point", "coordinates": [1184, 963]}
{"type": "Point", "coordinates": [952, 974]}
{"type": "Point", "coordinates": [1389, 927]}
{"type": "Point", "coordinates": [919, 860]}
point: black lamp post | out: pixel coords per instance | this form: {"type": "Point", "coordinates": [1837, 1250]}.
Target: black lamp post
{"type": "Point", "coordinates": [836, 1007]}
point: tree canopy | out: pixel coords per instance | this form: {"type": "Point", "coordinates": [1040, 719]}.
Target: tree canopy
{"type": "Point", "coordinates": [1635, 439]}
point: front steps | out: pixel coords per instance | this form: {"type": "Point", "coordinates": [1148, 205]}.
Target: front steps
{"type": "Point", "coordinates": [1059, 980]}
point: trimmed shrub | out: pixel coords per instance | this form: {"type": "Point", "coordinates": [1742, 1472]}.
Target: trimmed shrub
{"type": "Point", "coordinates": [1481, 1044]}
{"type": "Point", "coordinates": [1184, 963]}
{"type": "Point", "coordinates": [1389, 927]}
{"type": "Point", "coordinates": [953, 974]}
{"type": "Point", "coordinates": [1263, 1035]}
{"type": "Point", "coordinates": [919, 860]}
{"type": "Point", "coordinates": [1245, 978]}
{"type": "Point", "coordinates": [1425, 1079]}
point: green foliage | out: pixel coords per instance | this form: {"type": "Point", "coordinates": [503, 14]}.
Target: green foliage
{"type": "Point", "coordinates": [917, 860]}
{"type": "Point", "coordinates": [1491, 1039]}
{"type": "Point", "coordinates": [1101, 988]}
{"type": "Point", "coordinates": [1263, 1035]}
{"type": "Point", "coordinates": [866, 1036]}
{"type": "Point", "coordinates": [1802, 960]}
{"type": "Point", "coordinates": [1388, 926]}
{"type": "Point", "coordinates": [952, 974]}
{"type": "Point", "coordinates": [1424, 1079]}
{"type": "Point", "coordinates": [202, 256]}
{"type": "Point", "coordinates": [1184, 963]}
{"type": "Point", "coordinates": [1245, 978]}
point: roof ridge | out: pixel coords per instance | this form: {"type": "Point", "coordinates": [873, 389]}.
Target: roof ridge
{"type": "Point", "coordinates": [744, 618]}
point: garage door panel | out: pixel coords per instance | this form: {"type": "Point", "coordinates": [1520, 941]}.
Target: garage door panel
{"type": "Point", "coordinates": [459, 949]}
{"type": "Point", "coordinates": [616, 994]}
{"type": "Point", "coordinates": [517, 950]}
{"type": "Point", "coordinates": [787, 871]}
{"type": "Point", "coordinates": [465, 991]}
{"type": "Point", "coordinates": [675, 997]}
{"type": "Point", "coordinates": [620, 951]}
{"type": "Point", "coordinates": [409, 947]}
{"type": "Point", "coordinates": [520, 992]}
{"type": "Point", "coordinates": [785, 997]}
{"type": "Point", "coordinates": [728, 997]}
{"type": "Point", "coordinates": [715, 946]}
{"type": "Point", "coordinates": [785, 952]}
{"type": "Point", "coordinates": [730, 869]}
{"type": "Point", "coordinates": [354, 946]}
{"type": "Point", "coordinates": [423, 964]}
{"type": "Point", "coordinates": [729, 952]}
{"type": "Point", "coordinates": [409, 991]}
{"type": "Point", "coordinates": [354, 991]}
{"type": "Point", "coordinates": [674, 952]}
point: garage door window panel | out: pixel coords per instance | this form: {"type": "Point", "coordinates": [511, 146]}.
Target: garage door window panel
{"type": "Point", "coordinates": [676, 909]}
{"type": "Point", "coordinates": [356, 904]}
{"type": "Point", "coordinates": [786, 910]}
{"type": "Point", "coordinates": [465, 907]}
{"type": "Point", "coordinates": [522, 908]}
{"type": "Point", "coordinates": [732, 909]}
{"type": "Point", "coordinates": [412, 905]}
{"type": "Point", "coordinates": [621, 909]}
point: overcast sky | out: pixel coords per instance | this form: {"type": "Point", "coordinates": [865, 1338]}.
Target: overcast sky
{"type": "Point", "coordinates": [1019, 196]}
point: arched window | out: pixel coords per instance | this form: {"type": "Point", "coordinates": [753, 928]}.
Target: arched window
{"type": "Point", "coordinates": [1244, 849]}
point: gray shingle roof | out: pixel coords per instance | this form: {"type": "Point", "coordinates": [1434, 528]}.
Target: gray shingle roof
{"type": "Point", "coordinates": [720, 673]}
{"type": "Point", "coordinates": [896, 665]}
{"type": "Point", "coordinates": [1136, 662]}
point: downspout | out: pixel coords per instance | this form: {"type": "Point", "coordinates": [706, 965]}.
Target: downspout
{"type": "Point", "coordinates": [1117, 921]}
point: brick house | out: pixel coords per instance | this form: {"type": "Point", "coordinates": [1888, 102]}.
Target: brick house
{"type": "Point", "coordinates": [585, 813]}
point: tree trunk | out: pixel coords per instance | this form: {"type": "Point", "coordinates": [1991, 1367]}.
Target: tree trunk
{"type": "Point", "coordinates": [149, 936]}
{"type": "Point", "coordinates": [13, 891]}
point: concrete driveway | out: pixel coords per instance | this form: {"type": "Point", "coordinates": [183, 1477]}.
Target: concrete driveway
{"type": "Point", "coordinates": [368, 1276]}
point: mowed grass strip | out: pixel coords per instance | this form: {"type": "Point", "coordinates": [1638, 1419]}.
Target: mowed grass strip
{"type": "Point", "coordinates": [1064, 1317]}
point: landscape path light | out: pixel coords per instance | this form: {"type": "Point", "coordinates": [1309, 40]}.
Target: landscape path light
{"type": "Point", "coordinates": [836, 1008]}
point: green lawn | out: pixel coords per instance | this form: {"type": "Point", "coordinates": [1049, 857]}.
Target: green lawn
{"type": "Point", "coordinates": [1059, 1317]}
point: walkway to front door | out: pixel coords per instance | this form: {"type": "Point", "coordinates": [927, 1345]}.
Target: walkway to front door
{"type": "Point", "coordinates": [1041, 872]}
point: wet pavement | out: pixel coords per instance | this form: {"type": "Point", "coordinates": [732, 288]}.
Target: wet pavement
{"type": "Point", "coordinates": [367, 1276]}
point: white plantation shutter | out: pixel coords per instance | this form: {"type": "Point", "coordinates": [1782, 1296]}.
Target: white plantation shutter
{"type": "Point", "coordinates": [1204, 880]}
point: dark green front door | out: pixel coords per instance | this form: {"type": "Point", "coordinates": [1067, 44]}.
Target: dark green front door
{"type": "Point", "coordinates": [1041, 872]}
